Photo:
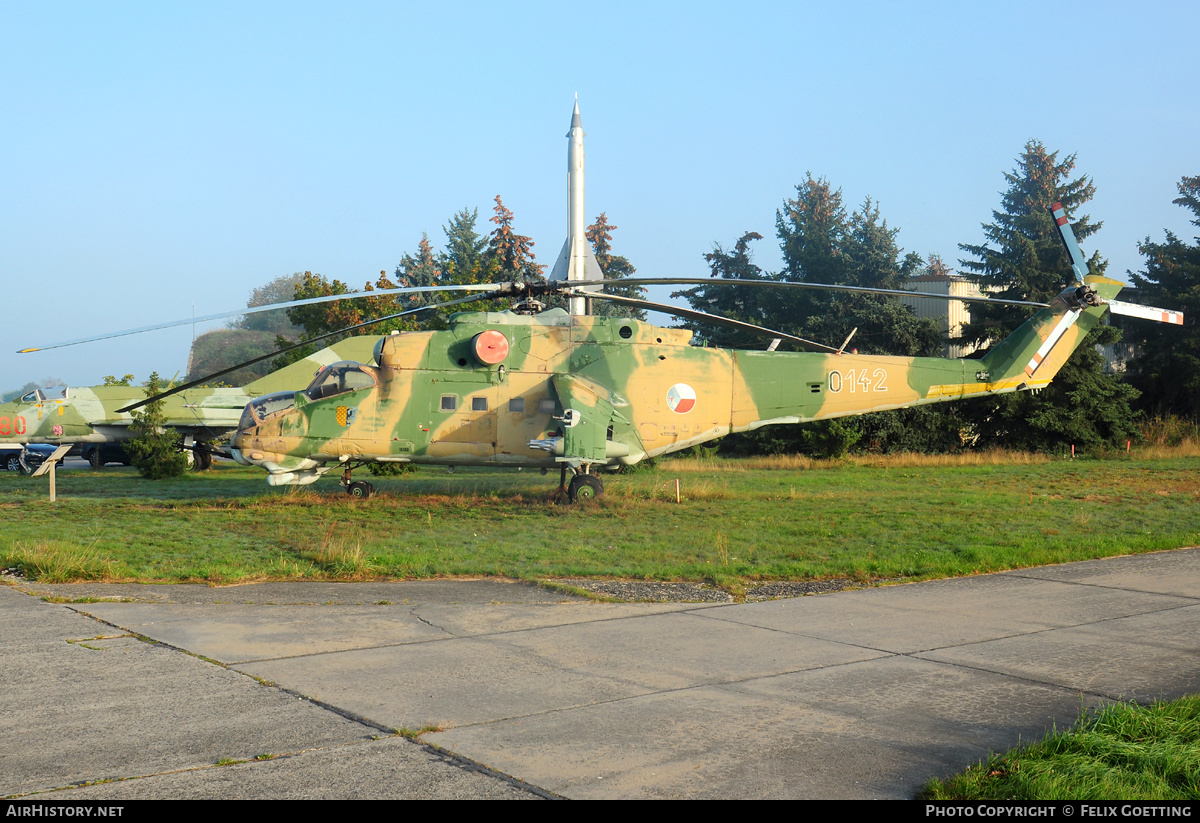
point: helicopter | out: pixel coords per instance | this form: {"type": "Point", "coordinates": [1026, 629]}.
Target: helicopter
{"type": "Point", "coordinates": [583, 393]}
{"type": "Point", "coordinates": [541, 388]}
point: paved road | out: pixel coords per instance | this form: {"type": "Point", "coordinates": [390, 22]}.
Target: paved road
{"type": "Point", "coordinates": [859, 694]}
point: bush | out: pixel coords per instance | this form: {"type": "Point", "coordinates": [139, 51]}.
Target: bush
{"type": "Point", "coordinates": [390, 469]}
{"type": "Point", "coordinates": [154, 449]}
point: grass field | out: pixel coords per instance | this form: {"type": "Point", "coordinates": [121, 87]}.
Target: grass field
{"type": "Point", "coordinates": [739, 521]}
{"type": "Point", "coordinates": [1123, 752]}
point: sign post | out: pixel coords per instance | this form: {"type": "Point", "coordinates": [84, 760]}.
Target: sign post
{"type": "Point", "coordinates": [49, 464]}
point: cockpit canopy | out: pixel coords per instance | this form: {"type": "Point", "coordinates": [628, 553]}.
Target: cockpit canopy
{"type": "Point", "coordinates": [339, 378]}
{"type": "Point", "coordinates": [260, 408]}
{"type": "Point", "coordinates": [336, 378]}
{"type": "Point", "coordinates": [39, 395]}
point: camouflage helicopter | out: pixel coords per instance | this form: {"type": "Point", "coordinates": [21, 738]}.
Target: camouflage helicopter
{"type": "Point", "coordinates": [534, 388]}
{"type": "Point", "coordinates": [585, 393]}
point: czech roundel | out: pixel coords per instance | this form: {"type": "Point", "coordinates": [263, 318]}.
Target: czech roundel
{"type": "Point", "coordinates": [681, 398]}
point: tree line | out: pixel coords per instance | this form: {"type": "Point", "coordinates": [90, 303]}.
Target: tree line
{"type": "Point", "coordinates": [1022, 258]}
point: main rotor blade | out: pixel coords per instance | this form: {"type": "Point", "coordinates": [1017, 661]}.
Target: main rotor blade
{"type": "Point", "coordinates": [787, 284]}
{"type": "Point", "coordinates": [255, 309]}
{"type": "Point", "coordinates": [692, 314]}
{"type": "Point", "coordinates": [251, 362]}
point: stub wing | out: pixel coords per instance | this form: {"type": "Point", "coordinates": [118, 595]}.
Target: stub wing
{"type": "Point", "coordinates": [589, 409]}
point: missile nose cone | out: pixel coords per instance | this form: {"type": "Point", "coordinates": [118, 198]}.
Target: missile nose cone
{"type": "Point", "coordinates": [576, 123]}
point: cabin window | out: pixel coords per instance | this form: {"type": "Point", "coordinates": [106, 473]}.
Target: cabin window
{"type": "Point", "coordinates": [546, 405]}
{"type": "Point", "coordinates": [449, 402]}
{"type": "Point", "coordinates": [478, 404]}
{"type": "Point", "coordinates": [517, 405]}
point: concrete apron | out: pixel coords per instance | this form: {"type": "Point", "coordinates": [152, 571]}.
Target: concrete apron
{"type": "Point", "coordinates": [859, 694]}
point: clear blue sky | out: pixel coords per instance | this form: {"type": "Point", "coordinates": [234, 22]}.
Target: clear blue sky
{"type": "Point", "coordinates": [161, 158]}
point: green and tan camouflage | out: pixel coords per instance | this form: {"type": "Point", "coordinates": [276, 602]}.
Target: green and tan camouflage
{"type": "Point", "coordinates": [585, 392]}
{"type": "Point", "coordinates": [89, 414]}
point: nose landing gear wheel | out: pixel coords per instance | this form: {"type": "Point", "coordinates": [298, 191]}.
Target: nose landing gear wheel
{"type": "Point", "coordinates": [360, 488]}
{"type": "Point", "coordinates": [584, 487]}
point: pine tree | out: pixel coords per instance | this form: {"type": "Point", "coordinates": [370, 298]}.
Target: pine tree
{"type": "Point", "coordinates": [509, 256]}
{"type": "Point", "coordinates": [462, 261]}
{"type": "Point", "coordinates": [1024, 259]}
{"type": "Point", "coordinates": [747, 304]}
{"type": "Point", "coordinates": [154, 449]}
{"type": "Point", "coordinates": [868, 256]}
{"type": "Point", "coordinates": [821, 243]}
{"type": "Point", "coordinates": [614, 267]}
{"type": "Point", "coordinates": [1168, 368]}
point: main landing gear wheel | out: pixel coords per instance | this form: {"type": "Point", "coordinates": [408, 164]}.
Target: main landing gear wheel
{"type": "Point", "coordinates": [584, 487]}
{"type": "Point", "coordinates": [202, 461]}
{"type": "Point", "coordinates": [360, 488]}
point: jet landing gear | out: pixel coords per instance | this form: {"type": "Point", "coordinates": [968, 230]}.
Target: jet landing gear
{"type": "Point", "coordinates": [203, 460]}
{"type": "Point", "coordinates": [356, 488]}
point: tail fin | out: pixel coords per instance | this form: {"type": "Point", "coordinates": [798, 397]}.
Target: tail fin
{"type": "Point", "coordinates": [1031, 356]}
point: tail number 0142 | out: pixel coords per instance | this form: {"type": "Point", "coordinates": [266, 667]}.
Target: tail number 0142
{"type": "Point", "coordinates": [860, 380]}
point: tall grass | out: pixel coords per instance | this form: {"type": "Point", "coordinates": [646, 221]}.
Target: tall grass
{"type": "Point", "coordinates": [1168, 437]}
{"type": "Point", "coordinates": [1122, 752]}
{"type": "Point", "coordinates": [899, 460]}
{"type": "Point", "coordinates": [57, 562]}
{"type": "Point", "coordinates": [865, 518]}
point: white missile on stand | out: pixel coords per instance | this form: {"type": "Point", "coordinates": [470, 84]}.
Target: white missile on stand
{"type": "Point", "coordinates": [576, 261]}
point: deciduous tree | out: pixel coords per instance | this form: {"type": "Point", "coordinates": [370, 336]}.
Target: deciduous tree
{"type": "Point", "coordinates": [279, 290]}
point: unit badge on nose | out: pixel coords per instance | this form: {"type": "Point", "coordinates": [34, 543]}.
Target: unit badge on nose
{"type": "Point", "coordinates": [681, 398]}
{"type": "Point", "coordinates": [345, 415]}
